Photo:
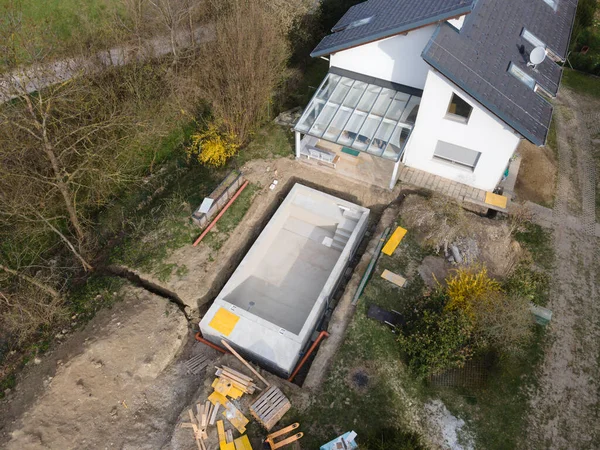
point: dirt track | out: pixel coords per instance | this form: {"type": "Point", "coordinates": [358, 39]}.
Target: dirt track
{"type": "Point", "coordinates": [566, 404]}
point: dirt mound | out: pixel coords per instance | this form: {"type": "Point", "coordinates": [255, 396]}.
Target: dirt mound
{"type": "Point", "coordinates": [479, 239]}
{"type": "Point", "coordinates": [97, 398]}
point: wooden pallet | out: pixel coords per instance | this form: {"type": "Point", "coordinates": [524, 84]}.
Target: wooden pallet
{"type": "Point", "coordinates": [197, 364]}
{"type": "Point", "coordinates": [270, 407]}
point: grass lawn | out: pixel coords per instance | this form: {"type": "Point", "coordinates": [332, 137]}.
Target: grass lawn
{"type": "Point", "coordinates": [58, 25]}
{"type": "Point", "coordinates": [582, 83]}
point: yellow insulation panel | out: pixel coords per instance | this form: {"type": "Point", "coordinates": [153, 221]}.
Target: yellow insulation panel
{"type": "Point", "coordinates": [394, 241]}
{"type": "Point", "coordinates": [224, 321]}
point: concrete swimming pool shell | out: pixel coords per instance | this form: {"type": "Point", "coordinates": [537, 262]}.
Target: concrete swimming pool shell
{"type": "Point", "coordinates": [270, 306]}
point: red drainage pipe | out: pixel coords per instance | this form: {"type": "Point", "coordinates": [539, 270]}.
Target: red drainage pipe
{"type": "Point", "coordinates": [212, 224]}
{"type": "Point", "coordinates": [310, 350]}
{"type": "Point", "coordinates": [210, 344]}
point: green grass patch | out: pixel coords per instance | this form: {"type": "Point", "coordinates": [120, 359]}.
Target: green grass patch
{"type": "Point", "coordinates": [552, 140]}
{"type": "Point", "coordinates": [539, 242]}
{"type": "Point", "coordinates": [271, 141]}
{"type": "Point", "coordinates": [58, 26]}
{"type": "Point", "coordinates": [581, 83]}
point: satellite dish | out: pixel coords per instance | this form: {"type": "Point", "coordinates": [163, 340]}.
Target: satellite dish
{"type": "Point", "coordinates": [537, 55]}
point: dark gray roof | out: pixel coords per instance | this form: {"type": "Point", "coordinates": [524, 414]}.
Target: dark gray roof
{"type": "Point", "coordinates": [387, 18]}
{"type": "Point", "coordinates": [477, 58]}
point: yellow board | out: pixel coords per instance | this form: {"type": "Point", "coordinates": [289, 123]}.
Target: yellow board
{"type": "Point", "coordinates": [496, 200]}
{"type": "Point", "coordinates": [215, 398]}
{"type": "Point", "coordinates": [235, 392]}
{"type": "Point", "coordinates": [235, 417]}
{"type": "Point", "coordinates": [393, 278]}
{"type": "Point", "coordinates": [242, 443]}
{"type": "Point", "coordinates": [226, 388]}
{"type": "Point", "coordinates": [224, 321]}
{"type": "Point", "coordinates": [223, 444]}
{"type": "Point", "coordinates": [393, 242]}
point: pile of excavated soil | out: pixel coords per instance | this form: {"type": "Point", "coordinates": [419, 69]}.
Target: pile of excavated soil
{"type": "Point", "coordinates": [111, 385]}
{"type": "Point", "coordinates": [537, 174]}
{"type": "Point", "coordinates": [492, 244]}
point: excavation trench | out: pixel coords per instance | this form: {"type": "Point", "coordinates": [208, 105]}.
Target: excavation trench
{"type": "Point", "coordinates": [136, 280]}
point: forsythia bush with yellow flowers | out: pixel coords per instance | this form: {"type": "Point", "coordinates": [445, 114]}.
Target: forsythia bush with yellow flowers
{"type": "Point", "coordinates": [468, 286]}
{"type": "Point", "coordinates": [212, 146]}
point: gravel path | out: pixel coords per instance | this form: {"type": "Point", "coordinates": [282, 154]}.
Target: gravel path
{"type": "Point", "coordinates": [566, 402]}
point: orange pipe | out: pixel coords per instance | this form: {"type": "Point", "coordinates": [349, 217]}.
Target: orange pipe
{"type": "Point", "coordinates": [212, 224]}
{"type": "Point", "coordinates": [210, 344]}
{"type": "Point", "coordinates": [310, 350]}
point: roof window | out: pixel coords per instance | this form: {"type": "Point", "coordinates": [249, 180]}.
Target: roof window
{"type": "Point", "coordinates": [552, 3]}
{"type": "Point", "coordinates": [521, 75]}
{"type": "Point", "coordinates": [532, 39]}
{"type": "Point", "coordinates": [355, 24]}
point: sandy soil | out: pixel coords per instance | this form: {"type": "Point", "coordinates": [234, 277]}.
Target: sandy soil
{"type": "Point", "coordinates": [537, 175]}
{"type": "Point", "coordinates": [209, 269]}
{"type": "Point", "coordinates": [565, 406]}
{"type": "Point", "coordinates": [93, 391]}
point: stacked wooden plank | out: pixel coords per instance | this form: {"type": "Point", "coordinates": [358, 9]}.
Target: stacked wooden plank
{"type": "Point", "coordinates": [270, 407]}
{"type": "Point", "coordinates": [233, 383]}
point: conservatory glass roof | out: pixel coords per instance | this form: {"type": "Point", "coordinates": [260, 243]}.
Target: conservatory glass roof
{"type": "Point", "coordinates": [365, 117]}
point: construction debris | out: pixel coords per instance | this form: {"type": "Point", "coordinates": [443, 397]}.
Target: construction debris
{"type": "Point", "coordinates": [244, 362]}
{"type": "Point", "coordinates": [285, 441]}
{"type": "Point", "coordinates": [394, 241]}
{"type": "Point", "coordinates": [393, 278]}
{"type": "Point", "coordinates": [198, 423]}
{"type": "Point", "coordinates": [344, 442]}
{"type": "Point", "coordinates": [270, 407]}
{"type": "Point", "coordinates": [235, 417]}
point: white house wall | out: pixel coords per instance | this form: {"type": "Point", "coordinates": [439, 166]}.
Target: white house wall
{"type": "Point", "coordinates": [483, 133]}
{"type": "Point", "coordinates": [396, 59]}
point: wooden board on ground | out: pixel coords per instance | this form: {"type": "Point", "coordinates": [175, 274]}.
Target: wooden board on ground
{"type": "Point", "coordinates": [394, 241]}
{"type": "Point", "coordinates": [270, 407]}
{"type": "Point", "coordinates": [393, 278]}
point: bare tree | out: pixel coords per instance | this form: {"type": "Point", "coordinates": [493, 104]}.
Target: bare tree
{"type": "Point", "coordinates": [242, 67]}
{"type": "Point", "coordinates": [60, 155]}
{"type": "Point", "coordinates": [172, 15]}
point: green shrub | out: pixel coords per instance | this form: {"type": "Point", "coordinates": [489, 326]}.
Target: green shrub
{"type": "Point", "coordinates": [440, 342]}
{"type": "Point", "coordinates": [528, 283]}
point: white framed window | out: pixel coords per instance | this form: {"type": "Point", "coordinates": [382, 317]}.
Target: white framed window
{"type": "Point", "coordinates": [520, 74]}
{"type": "Point", "coordinates": [455, 154]}
{"type": "Point", "coordinates": [459, 109]}
{"type": "Point", "coordinates": [532, 38]}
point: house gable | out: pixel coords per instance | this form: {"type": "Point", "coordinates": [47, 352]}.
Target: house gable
{"type": "Point", "coordinates": [379, 19]}
{"type": "Point", "coordinates": [397, 59]}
